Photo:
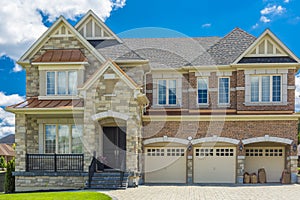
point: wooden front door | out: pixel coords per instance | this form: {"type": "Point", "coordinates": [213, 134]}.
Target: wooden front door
{"type": "Point", "coordinates": [114, 147]}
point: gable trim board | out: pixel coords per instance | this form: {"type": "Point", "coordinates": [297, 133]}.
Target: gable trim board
{"type": "Point", "coordinates": [90, 13]}
{"type": "Point", "coordinates": [41, 41]}
{"type": "Point", "coordinates": [267, 32]}
{"type": "Point", "coordinates": [116, 69]}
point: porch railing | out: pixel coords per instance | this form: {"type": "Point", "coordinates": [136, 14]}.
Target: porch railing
{"type": "Point", "coordinates": [55, 162]}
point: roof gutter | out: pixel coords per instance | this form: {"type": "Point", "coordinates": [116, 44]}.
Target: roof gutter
{"type": "Point", "coordinates": [45, 110]}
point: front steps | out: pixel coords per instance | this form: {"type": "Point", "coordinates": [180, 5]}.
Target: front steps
{"type": "Point", "coordinates": [109, 179]}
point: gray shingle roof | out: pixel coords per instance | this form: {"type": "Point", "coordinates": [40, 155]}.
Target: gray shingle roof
{"type": "Point", "coordinates": [178, 52]}
{"type": "Point", "coordinates": [228, 49]}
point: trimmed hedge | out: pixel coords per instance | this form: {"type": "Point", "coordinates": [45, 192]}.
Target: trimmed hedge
{"type": "Point", "coordinates": [9, 186]}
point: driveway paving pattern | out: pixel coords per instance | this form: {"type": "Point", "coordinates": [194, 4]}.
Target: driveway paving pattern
{"type": "Point", "coordinates": [268, 192]}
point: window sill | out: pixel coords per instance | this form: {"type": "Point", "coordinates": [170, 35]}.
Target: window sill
{"type": "Point", "coordinates": [58, 97]}
{"type": "Point", "coordinates": [224, 105]}
{"type": "Point", "coordinates": [266, 103]}
{"type": "Point", "coordinates": [204, 105]}
{"type": "Point", "coordinates": [166, 106]}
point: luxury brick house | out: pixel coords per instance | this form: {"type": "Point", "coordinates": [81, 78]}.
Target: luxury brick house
{"type": "Point", "coordinates": [101, 110]}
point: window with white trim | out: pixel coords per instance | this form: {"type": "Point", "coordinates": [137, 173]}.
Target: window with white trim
{"type": "Point", "coordinates": [266, 88]}
{"type": "Point", "coordinates": [61, 83]}
{"type": "Point", "coordinates": [224, 90]}
{"type": "Point", "coordinates": [167, 92]}
{"type": "Point", "coordinates": [63, 138]}
{"type": "Point", "coordinates": [202, 84]}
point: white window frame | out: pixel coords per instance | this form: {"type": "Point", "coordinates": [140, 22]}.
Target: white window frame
{"type": "Point", "coordinates": [228, 103]}
{"type": "Point", "coordinates": [57, 136]}
{"type": "Point", "coordinates": [167, 92]}
{"type": "Point", "coordinates": [197, 99]}
{"type": "Point", "coordinates": [271, 88]}
{"type": "Point", "coordinates": [56, 83]}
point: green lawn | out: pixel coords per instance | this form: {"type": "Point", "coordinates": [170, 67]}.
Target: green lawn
{"type": "Point", "coordinates": [56, 195]}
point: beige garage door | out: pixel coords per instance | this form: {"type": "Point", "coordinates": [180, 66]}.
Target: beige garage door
{"type": "Point", "coordinates": [215, 165]}
{"type": "Point", "coordinates": [270, 158]}
{"type": "Point", "coordinates": [165, 165]}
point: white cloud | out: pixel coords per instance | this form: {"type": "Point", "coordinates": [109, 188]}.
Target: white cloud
{"type": "Point", "coordinates": [255, 26]}
{"type": "Point", "coordinates": [274, 10]}
{"type": "Point", "coordinates": [17, 68]}
{"type": "Point", "coordinates": [7, 120]}
{"type": "Point", "coordinates": [7, 100]}
{"type": "Point", "coordinates": [264, 19]}
{"type": "Point", "coordinates": [286, 1]}
{"type": "Point", "coordinates": [21, 22]}
{"type": "Point", "coordinates": [7, 123]}
{"type": "Point", "coordinates": [206, 25]}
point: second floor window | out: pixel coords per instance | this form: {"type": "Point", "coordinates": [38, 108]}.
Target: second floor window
{"type": "Point", "coordinates": [266, 88]}
{"type": "Point", "coordinates": [167, 92]}
{"type": "Point", "coordinates": [224, 90]}
{"type": "Point", "coordinates": [61, 83]}
{"type": "Point", "coordinates": [202, 90]}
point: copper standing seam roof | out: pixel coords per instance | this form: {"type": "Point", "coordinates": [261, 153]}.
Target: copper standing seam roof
{"type": "Point", "coordinates": [6, 150]}
{"type": "Point", "coordinates": [34, 102]}
{"type": "Point", "coordinates": [62, 55]}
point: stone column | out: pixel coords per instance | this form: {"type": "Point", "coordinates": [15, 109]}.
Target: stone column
{"type": "Point", "coordinates": [132, 146]}
{"type": "Point", "coordinates": [240, 169]}
{"type": "Point", "coordinates": [89, 131]}
{"type": "Point", "coordinates": [21, 145]}
{"type": "Point", "coordinates": [293, 160]}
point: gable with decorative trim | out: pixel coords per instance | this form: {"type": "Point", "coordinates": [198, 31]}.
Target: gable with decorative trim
{"type": "Point", "coordinates": [92, 27]}
{"type": "Point", "coordinates": [267, 49]}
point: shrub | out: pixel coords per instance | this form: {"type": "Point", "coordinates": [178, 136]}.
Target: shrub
{"type": "Point", "coordinates": [2, 162]}
{"type": "Point", "coordinates": [9, 186]}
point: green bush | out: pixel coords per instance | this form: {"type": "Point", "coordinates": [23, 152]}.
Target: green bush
{"type": "Point", "coordinates": [2, 162]}
{"type": "Point", "coordinates": [9, 186]}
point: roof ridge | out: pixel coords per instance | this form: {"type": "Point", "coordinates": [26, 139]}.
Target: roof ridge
{"type": "Point", "coordinates": [146, 38]}
{"type": "Point", "coordinates": [234, 30]}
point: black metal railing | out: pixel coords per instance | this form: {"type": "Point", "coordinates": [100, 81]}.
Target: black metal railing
{"type": "Point", "coordinates": [95, 165]}
{"type": "Point", "coordinates": [55, 162]}
{"type": "Point", "coordinates": [92, 170]}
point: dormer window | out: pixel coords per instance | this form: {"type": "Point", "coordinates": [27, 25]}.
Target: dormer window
{"type": "Point", "coordinates": [61, 83]}
{"type": "Point", "coordinates": [60, 73]}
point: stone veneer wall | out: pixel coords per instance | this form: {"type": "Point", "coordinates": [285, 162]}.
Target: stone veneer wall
{"type": "Point", "coordinates": [112, 95]}
{"type": "Point", "coordinates": [26, 138]}
{"type": "Point", "coordinates": [34, 183]}
{"type": "Point", "coordinates": [20, 140]}
{"type": "Point", "coordinates": [32, 75]}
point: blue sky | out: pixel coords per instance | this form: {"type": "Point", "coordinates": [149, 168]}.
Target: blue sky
{"type": "Point", "coordinates": [21, 24]}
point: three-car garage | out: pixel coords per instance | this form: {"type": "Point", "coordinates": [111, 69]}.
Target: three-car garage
{"type": "Point", "coordinates": [211, 163]}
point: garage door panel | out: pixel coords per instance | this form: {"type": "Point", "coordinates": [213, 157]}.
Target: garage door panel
{"type": "Point", "coordinates": [165, 165]}
{"type": "Point", "coordinates": [269, 158]}
{"type": "Point", "coordinates": [214, 165]}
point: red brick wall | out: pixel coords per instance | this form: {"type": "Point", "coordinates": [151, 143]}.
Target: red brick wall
{"type": "Point", "coordinates": [237, 98]}
{"type": "Point", "coordinates": [231, 129]}
{"type": "Point", "coordinates": [290, 98]}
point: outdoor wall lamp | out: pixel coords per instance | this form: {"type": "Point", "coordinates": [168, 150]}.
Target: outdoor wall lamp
{"type": "Point", "coordinates": [294, 147]}
{"type": "Point", "coordinates": [241, 147]}
{"type": "Point", "coordinates": [190, 147]}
